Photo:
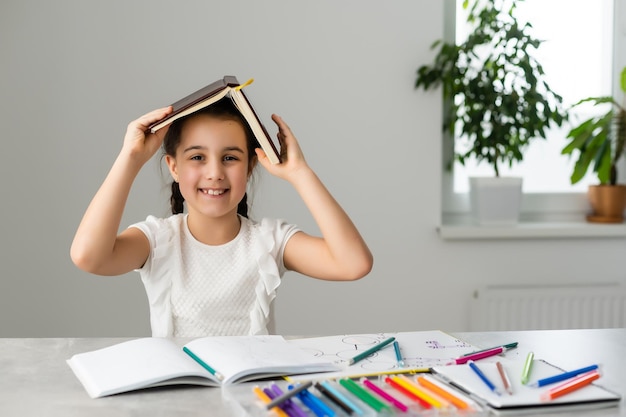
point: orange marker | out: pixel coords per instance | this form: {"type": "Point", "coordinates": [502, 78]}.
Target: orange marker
{"type": "Point", "coordinates": [571, 385]}
{"type": "Point", "coordinates": [459, 403]}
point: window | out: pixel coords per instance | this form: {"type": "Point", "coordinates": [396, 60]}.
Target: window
{"type": "Point", "coordinates": [581, 55]}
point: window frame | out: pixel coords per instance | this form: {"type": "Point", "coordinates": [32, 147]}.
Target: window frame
{"type": "Point", "coordinates": [536, 207]}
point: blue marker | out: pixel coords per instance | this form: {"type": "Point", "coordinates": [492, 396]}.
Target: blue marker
{"type": "Point", "coordinates": [319, 408]}
{"type": "Point", "coordinates": [342, 397]}
{"type": "Point", "coordinates": [483, 377]}
{"type": "Point", "coordinates": [563, 376]}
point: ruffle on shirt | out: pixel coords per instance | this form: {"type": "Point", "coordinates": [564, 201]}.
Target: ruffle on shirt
{"type": "Point", "coordinates": [269, 279]}
{"type": "Point", "coordinates": [159, 290]}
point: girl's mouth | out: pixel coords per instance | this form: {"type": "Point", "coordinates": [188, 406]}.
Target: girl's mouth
{"type": "Point", "coordinates": [212, 191]}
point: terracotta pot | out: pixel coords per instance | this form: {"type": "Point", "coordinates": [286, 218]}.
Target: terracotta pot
{"type": "Point", "coordinates": [608, 203]}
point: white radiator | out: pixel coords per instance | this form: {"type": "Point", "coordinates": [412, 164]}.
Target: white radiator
{"type": "Point", "coordinates": [543, 307]}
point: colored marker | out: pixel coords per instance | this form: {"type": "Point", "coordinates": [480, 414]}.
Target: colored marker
{"type": "Point", "coordinates": [563, 376]}
{"type": "Point", "coordinates": [363, 395]}
{"type": "Point", "coordinates": [341, 397]}
{"type": "Point", "coordinates": [444, 393]}
{"type": "Point", "coordinates": [385, 395]}
{"type": "Point", "coordinates": [507, 347]}
{"type": "Point", "coordinates": [285, 406]}
{"type": "Point", "coordinates": [483, 377]}
{"type": "Point", "coordinates": [287, 395]}
{"type": "Point", "coordinates": [266, 399]}
{"type": "Point", "coordinates": [570, 386]}
{"type": "Point", "coordinates": [396, 348]}
{"type": "Point", "coordinates": [479, 355]}
{"type": "Point", "coordinates": [368, 352]}
{"type": "Point", "coordinates": [420, 392]}
{"type": "Point", "coordinates": [288, 405]}
{"type": "Point", "coordinates": [527, 367]}
{"type": "Point", "coordinates": [334, 398]}
{"type": "Point", "coordinates": [408, 393]}
{"type": "Point", "coordinates": [505, 378]}
{"type": "Point", "coordinates": [315, 404]}
{"type": "Point", "coordinates": [204, 364]}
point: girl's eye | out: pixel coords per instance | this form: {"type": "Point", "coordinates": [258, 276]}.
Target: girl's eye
{"type": "Point", "coordinates": [230, 158]}
{"type": "Point", "coordinates": [196, 158]}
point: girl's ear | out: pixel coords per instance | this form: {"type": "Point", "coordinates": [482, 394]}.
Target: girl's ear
{"type": "Point", "coordinates": [171, 164]}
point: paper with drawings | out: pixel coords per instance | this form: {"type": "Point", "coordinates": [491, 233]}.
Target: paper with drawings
{"type": "Point", "coordinates": [420, 350]}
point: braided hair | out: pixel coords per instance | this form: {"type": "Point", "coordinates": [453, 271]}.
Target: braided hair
{"type": "Point", "coordinates": [224, 110]}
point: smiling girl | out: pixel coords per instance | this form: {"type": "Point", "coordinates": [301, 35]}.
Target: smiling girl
{"type": "Point", "coordinates": [210, 270]}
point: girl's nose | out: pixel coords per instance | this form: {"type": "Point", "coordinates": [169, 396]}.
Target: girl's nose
{"type": "Point", "coordinates": [214, 171]}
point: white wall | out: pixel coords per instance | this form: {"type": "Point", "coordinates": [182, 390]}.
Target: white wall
{"type": "Point", "coordinates": [75, 72]}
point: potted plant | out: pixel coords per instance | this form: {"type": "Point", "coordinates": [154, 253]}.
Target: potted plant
{"type": "Point", "coordinates": [601, 140]}
{"type": "Point", "coordinates": [496, 99]}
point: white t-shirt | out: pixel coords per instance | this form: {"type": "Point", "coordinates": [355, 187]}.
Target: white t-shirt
{"type": "Point", "coordinates": [197, 290]}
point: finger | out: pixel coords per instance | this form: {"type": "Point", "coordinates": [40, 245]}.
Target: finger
{"type": "Point", "coordinates": [282, 126]}
{"type": "Point", "coordinates": [154, 116]}
{"type": "Point", "coordinates": [262, 157]}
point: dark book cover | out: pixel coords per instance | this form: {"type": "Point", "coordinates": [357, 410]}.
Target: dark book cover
{"type": "Point", "coordinates": [197, 96]}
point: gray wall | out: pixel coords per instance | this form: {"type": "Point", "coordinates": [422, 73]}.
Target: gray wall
{"type": "Point", "coordinates": [341, 73]}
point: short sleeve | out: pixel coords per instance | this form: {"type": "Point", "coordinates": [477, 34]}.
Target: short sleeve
{"type": "Point", "coordinates": [273, 236]}
{"type": "Point", "coordinates": [156, 273]}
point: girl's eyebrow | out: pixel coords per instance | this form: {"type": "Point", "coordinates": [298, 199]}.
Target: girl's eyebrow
{"type": "Point", "coordinates": [226, 149]}
{"type": "Point", "coordinates": [234, 148]}
{"type": "Point", "coordinates": [193, 148]}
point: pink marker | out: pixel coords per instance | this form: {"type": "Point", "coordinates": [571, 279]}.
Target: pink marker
{"type": "Point", "coordinates": [480, 355]}
{"type": "Point", "coordinates": [375, 388]}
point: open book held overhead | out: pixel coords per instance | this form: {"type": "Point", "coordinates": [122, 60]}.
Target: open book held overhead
{"type": "Point", "coordinates": [227, 88]}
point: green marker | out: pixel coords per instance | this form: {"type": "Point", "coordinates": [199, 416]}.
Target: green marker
{"type": "Point", "coordinates": [527, 366]}
{"type": "Point", "coordinates": [363, 395]}
{"type": "Point", "coordinates": [368, 352]}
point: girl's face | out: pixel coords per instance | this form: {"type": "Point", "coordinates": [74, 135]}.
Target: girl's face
{"type": "Point", "coordinates": [211, 165]}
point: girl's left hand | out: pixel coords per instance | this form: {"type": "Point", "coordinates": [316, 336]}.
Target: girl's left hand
{"type": "Point", "coordinates": [292, 158]}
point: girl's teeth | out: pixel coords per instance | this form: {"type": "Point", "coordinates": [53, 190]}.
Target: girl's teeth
{"type": "Point", "coordinates": [215, 192]}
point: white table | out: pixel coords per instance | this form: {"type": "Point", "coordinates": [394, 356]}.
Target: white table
{"type": "Point", "coordinates": [36, 381]}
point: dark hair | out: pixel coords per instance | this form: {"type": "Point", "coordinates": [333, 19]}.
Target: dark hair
{"type": "Point", "coordinates": [225, 110]}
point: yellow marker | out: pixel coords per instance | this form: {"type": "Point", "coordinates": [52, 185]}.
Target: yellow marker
{"type": "Point", "coordinates": [420, 392]}
{"type": "Point", "coordinates": [266, 400]}
{"type": "Point", "coordinates": [247, 83]}
{"type": "Point", "coordinates": [459, 403]}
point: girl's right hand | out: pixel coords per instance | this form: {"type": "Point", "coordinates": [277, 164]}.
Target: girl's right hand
{"type": "Point", "coordinates": [139, 143]}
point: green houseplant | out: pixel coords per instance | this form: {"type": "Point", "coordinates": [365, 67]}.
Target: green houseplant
{"type": "Point", "coordinates": [494, 93]}
{"type": "Point", "coordinates": [600, 142]}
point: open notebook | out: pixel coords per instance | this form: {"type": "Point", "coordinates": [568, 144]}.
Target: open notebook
{"type": "Point", "coordinates": [211, 361]}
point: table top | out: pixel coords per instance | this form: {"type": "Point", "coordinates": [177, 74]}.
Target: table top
{"type": "Point", "coordinates": [36, 380]}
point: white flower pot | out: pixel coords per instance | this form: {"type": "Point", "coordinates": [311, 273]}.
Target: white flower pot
{"type": "Point", "coordinates": [495, 201]}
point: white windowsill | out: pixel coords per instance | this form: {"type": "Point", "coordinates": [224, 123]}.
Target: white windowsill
{"type": "Point", "coordinates": [532, 230]}
{"type": "Point", "coordinates": [543, 216]}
